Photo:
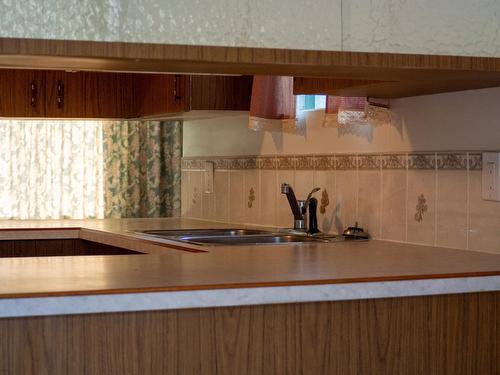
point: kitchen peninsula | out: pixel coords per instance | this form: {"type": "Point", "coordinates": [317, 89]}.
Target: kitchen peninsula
{"type": "Point", "coordinates": [231, 299]}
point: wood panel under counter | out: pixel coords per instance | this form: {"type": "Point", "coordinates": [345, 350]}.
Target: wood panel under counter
{"type": "Point", "coordinates": [446, 334]}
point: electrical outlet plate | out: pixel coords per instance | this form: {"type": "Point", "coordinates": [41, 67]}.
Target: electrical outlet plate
{"type": "Point", "coordinates": [209, 177]}
{"type": "Point", "coordinates": [491, 176]}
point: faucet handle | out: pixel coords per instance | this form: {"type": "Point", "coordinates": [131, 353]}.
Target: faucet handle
{"type": "Point", "coordinates": [311, 193]}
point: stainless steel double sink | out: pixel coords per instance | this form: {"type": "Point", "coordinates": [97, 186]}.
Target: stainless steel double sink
{"type": "Point", "coordinates": [214, 237]}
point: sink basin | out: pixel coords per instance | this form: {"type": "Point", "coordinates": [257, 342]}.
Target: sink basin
{"type": "Point", "coordinates": [248, 239]}
{"type": "Point", "coordinates": [204, 232]}
{"type": "Point", "coordinates": [231, 236]}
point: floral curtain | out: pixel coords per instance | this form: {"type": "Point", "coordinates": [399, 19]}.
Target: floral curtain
{"type": "Point", "coordinates": [142, 168]}
{"type": "Point", "coordinates": [51, 169]}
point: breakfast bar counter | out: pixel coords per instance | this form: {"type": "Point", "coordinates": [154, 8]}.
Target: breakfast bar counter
{"type": "Point", "coordinates": [175, 276]}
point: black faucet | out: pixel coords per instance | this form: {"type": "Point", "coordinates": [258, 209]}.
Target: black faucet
{"type": "Point", "coordinates": [300, 207]}
{"type": "Point", "coordinates": [313, 217]}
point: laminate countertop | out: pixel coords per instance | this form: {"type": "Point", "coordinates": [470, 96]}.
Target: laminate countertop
{"type": "Point", "coordinates": [173, 276]}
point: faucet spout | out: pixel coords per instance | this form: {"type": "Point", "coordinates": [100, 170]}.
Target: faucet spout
{"type": "Point", "coordinates": [292, 200]}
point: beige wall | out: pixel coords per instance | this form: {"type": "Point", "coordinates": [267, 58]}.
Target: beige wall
{"type": "Point", "coordinates": [383, 199]}
{"type": "Point", "coordinates": [467, 120]}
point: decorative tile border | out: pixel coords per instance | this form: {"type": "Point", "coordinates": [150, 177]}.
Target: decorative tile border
{"type": "Point", "coordinates": [451, 160]}
{"type": "Point", "coordinates": [394, 161]}
{"type": "Point", "coordinates": [305, 162]}
{"type": "Point", "coordinates": [324, 162]}
{"type": "Point", "coordinates": [422, 161]}
{"type": "Point", "coordinates": [346, 162]}
{"type": "Point", "coordinates": [192, 163]}
{"type": "Point", "coordinates": [475, 161]}
{"type": "Point", "coordinates": [285, 162]}
{"type": "Point", "coordinates": [369, 162]}
{"type": "Point", "coordinates": [266, 162]}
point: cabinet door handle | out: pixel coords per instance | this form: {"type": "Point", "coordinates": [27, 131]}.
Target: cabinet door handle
{"type": "Point", "coordinates": [34, 93]}
{"type": "Point", "coordinates": [60, 94]}
{"type": "Point", "coordinates": [177, 83]}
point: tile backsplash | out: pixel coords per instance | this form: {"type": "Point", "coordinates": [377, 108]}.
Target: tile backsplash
{"type": "Point", "coordinates": [431, 198]}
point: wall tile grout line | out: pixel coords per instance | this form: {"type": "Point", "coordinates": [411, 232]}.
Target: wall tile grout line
{"type": "Point", "coordinates": [243, 197]}
{"type": "Point", "coordinates": [229, 179]}
{"type": "Point", "coordinates": [406, 197]}
{"type": "Point", "coordinates": [259, 197]}
{"type": "Point", "coordinates": [276, 196]}
{"type": "Point", "coordinates": [381, 205]}
{"type": "Point", "coordinates": [228, 206]}
{"type": "Point", "coordinates": [335, 184]}
{"type": "Point", "coordinates": [467, 220]}
{"type": "Point", "coordinates": [201, 194]}
{"type": "Point", "coordinates": [436, 181]}
{"type": "Point", "coordinates": [357, 187]}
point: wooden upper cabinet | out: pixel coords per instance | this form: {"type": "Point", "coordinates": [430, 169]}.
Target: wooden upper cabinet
{"type": "Point", "coordinates": [65, 95]}
{"type": "Point", "coordinates": [221, 93]}
{"type": "Point", "coordinates": [22, 93]}
{"type": "Point", "coordinates": [108, 95]}
{"type": "Point", "coordinates": [159, 94]}
{"type": "Point", "coordinates": [60, 94]}
{"type": "Point", "coordinates": [99, 95]}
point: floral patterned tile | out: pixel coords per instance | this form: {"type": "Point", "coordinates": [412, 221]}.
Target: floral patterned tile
{"type": "Point", "coordinates": [324, 162]}
{"type": "Point", "coordinates": [305, 162]}
{"type": "Point", "coordinates": [419, 161]}
{"type": "Point", "coordinates": [266, 162]}
{"type": "Point", "coordinates": [369, 162]}
{"type": "Point", "coordinates": [475, 161]}
{"type": "Point", "coordinates": [221, 163]}
{"type": "Point", "coordinates": [393, 161]}
{"type": "Point", "coordinates": [249, 163]}
{"type": "Point", "coordinates": [345, 162]}
{"type": "Point", "coordinates": [285, 162]}
{"type": "Point", "coordinates": [451, 161]}
{"type": "Point", "coordinates": [422, 161]}
{"type": "Point", "coordinates": [192, 163]}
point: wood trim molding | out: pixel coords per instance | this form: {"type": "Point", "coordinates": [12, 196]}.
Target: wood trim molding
{"type": "Point", "coordinates": [399, 74]}
{"type": "Point", "coordinates": [237, 60]}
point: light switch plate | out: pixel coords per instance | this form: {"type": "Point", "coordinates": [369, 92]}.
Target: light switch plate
{"type": "Point", "coordinates": [491, 176]}
{"type": "Point", "coordinates": [209, 177]}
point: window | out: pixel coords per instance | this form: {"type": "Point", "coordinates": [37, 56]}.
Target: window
{"type": "Point", "coordinates": [311, 102]}
{"type": "Point", "coordinates": [51, 169]}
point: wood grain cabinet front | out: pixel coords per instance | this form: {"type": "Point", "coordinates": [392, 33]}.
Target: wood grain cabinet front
{"type": "Point", "coordinates": [103, 95]}
{"type": "Point", "coordinates": [108, 95]}
{"type": "Point", "coordinates": [221, 93]}
{"type": "Point", "coordinates": [159, 94]}
{"type": "Point", "coordinates": [88, 95]}
{"type": "Point", "coordinates": [22, 93]}
{"type": "Point", "coordinates": [64, 94]}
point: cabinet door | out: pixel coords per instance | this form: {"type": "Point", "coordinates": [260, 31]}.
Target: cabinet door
{"type": "Point", "coordinates": [22, 93]}
{"type": "Point", "coordinates": [108, 95]}
{"type": "Point", "coordinates": [65, 95]}
{"type": "Point", "coordinates": [158, 94]}
{"type": "Point", "coordinates": [221, 93]}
